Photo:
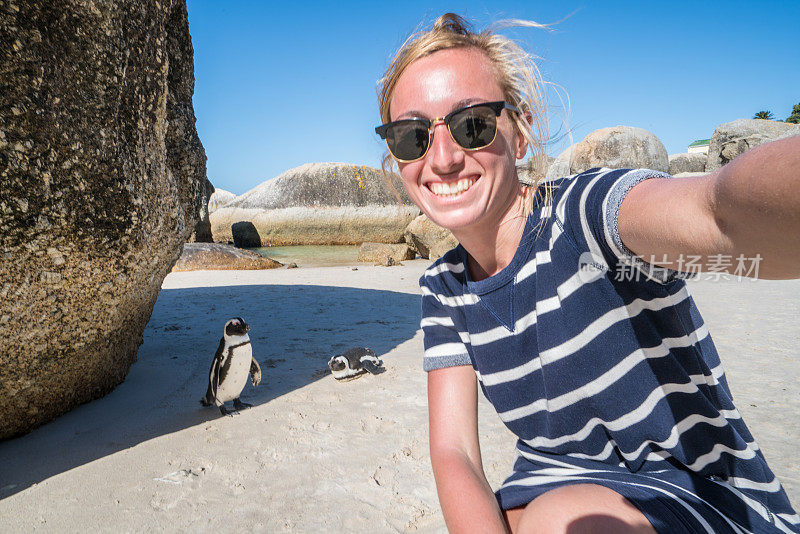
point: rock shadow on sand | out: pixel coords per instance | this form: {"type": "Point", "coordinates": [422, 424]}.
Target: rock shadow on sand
{"type": "Point", "coordinates": [295, 329]}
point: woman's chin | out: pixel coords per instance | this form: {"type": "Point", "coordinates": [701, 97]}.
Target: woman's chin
{"type": "Point", "coordinates": [452, 212]}
{"type": "Point", "coordinates": [454, 220]}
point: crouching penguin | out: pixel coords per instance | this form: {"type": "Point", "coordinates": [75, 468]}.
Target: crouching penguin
{"type": "Point", "coordinates": [354, 362]}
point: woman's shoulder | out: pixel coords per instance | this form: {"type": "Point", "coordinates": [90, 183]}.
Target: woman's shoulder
{"type": "Point", "coordinates": [594, 191]}
{"type": "Point", "coordinates": [446, 274]}
{"type": "Point", "coordinates": [587, 206]}
{"type": "Point", "coordinates": [578, 181]}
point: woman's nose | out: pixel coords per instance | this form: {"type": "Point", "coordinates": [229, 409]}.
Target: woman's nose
{"type": "Point", "coordinates": [446, 156]}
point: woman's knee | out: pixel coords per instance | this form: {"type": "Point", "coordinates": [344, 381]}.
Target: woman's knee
{"type": "Point", "coordinates": [582, 508]}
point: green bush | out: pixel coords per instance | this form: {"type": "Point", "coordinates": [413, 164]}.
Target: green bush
{"type": "Point", "coordinates": [795, 116]}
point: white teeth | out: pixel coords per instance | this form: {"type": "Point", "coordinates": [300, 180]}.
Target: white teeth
{"type": "Point", "coordinates": [444, 189]}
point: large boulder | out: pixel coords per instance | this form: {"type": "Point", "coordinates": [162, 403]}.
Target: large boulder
{"type": "Point", "coordinates": [380, 252]}
{"type": "Point", "coordinates": [219, 257]}
{"type": "Point", "coordinates": [428, 238]}
{"type": "Point", "coordinates": [619, 147]}
{"type": "Point", "coordinates": [734, 138]}
{"type": "Point", "coordinates": [245, 235]}
{"type": "Point", "coordinates": [202, 231]}
{"type": "Point", "coordinates": [101, 183]}
{"type": "Point", "coordinates": [533, 170]}
{"type": "Point", "coordinates": [319, 204]}
{"type": "Point", "coordinates": [687, 162]}
{"type": "Point", "coordinates": [562, 165]}
{"type": "Point", "coordinates": [219, 199]}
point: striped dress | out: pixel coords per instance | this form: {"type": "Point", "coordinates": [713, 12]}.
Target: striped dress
{"type": "Point", "coordinates": [602, 366]}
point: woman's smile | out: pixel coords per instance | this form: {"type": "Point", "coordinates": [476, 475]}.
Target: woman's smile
{"type": "Point", "coordinates": [451, 190]}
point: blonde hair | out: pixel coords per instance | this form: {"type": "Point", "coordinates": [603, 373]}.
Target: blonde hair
{"type": "Point", "coordinates": [517, 75]}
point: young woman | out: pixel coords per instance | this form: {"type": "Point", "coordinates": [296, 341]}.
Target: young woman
{"type": "Point", "coordinates": [612, 383]}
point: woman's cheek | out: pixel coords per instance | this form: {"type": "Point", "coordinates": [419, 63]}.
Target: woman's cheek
{"type": "Point", "coordinates": [409, 175]}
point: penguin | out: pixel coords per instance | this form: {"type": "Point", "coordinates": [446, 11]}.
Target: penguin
{"type": "Point", "coordinates": [354, 362]}
{"type": "Point", "coordinates": [230, 367]}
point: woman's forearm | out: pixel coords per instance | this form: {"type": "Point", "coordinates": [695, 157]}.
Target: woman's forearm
{"type": "Point", "coordinates": [467, 500]}
{"type": "Point", "coordinates": [756, 204]}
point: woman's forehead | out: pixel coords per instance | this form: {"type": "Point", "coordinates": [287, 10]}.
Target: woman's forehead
{"type": "Point", "coordinates": [434, 83]}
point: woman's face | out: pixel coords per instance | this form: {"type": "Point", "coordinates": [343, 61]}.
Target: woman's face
{"type": "Point", "coordinates": [485, 179]}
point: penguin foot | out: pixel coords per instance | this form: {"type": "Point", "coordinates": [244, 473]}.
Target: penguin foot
{"type": "Point", "coordinates": [239, 405]}
{"type": "Point", "coordinates": [374, 368]}
{"type": "Point", "coordinates": [224, 411]}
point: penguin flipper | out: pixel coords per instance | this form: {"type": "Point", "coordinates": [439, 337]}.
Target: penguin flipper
{"type": "Point", "coordinates": [374, 368]}
{"type": "Point", "coordinates": [213, 375]}
{"type": "Point", "coordinates": [255, 372]}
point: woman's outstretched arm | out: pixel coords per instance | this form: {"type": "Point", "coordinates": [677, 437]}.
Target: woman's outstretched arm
{"type": "Point", "coordinates": [467, 500]}
{"type": "Point", "coordinates": [748, 208]}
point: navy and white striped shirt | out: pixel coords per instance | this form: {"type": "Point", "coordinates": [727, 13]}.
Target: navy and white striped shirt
{"type": "Point", "coordinates": [602, 377]}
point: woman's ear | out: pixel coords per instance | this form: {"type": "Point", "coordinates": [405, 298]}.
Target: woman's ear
{"type": "Point", "coordinates": [521, 142]}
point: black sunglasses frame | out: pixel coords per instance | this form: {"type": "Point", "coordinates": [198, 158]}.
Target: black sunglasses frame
{"type": "Point", "coordinates": [496, 107]}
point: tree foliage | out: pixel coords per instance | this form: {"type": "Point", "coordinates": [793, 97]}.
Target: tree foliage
{"type": "Point", "coordinates": [766, 115]}
{"type": "Point", "coordinates": [795, 116]}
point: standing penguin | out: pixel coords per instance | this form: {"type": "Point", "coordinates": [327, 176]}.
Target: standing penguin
{"type": "Point", "coordinates": [354, 362]}
{"type": "Point", "coordinates": [230, 367]}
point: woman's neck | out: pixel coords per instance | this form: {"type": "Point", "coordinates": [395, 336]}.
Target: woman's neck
{"type": "Point", "coordinates": [491, 248]}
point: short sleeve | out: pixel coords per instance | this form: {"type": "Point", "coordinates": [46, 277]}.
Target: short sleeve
{"type": "Point", "coordinates": [589, 212]}
{"type": "Point", "coordinates": [444, 344]}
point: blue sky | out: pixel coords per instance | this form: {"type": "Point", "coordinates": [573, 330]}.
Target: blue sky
{"type": "Point", "coordinates": [286, 83]}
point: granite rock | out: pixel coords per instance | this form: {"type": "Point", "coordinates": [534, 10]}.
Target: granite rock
{"type": "Point", "coordinates": [533, 170]}
{"type": "Point", "coordinates": [428, 238]}
{"type": "Point", "coordinates": [101, 183]}
{"type": "Point", "coordinates": [687, 162]}
{"type": "Point", "coordinates": [562, 164]}
{"type": "Point", "coordinates": [218, 257]}
{"type": "Point", "coordinates": [219, 199]}
{"type": "Point", "coordinates": [619, 147]}
{"type": "Point", "coordinates": [245, 235]}
{"type": "Point", "coordinates": [202, 231]}
{"type": "Point", "coordinates": [319, 204]}
{"type": "Point", "coordinates": [379, 252]}
{"type": "Point", "coordinates": [733, 138]}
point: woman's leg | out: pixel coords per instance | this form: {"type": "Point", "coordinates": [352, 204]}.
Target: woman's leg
{"type": "Point", "coordinates": [579, 509]}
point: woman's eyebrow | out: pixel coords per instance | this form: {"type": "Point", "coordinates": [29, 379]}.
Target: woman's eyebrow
{"type": "Point", "coordinates": [466, 102]}
{"type": "Point", "coordinates": [411, 114]}
{"type": "Point", "coordinates": [458, 105]}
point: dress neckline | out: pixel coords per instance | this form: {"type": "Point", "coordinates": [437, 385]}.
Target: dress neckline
{"type": "Point", "coordinates": [508, 272]}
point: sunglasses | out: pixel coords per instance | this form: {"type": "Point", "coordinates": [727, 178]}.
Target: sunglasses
{"type": "Point", "coordinates": [472, 128]}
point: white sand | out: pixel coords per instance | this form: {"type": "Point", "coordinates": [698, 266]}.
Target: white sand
{"type": "Point", "coordinates": [315, 454]}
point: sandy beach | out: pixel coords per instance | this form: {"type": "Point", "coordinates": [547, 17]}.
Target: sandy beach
{"type": "Point", "coordinates": [315, 454]}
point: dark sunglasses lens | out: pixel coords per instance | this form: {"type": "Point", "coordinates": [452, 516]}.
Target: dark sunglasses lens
{"type": "Point", "coordinates": [474, 127]}
{"type": "Point", "coordinates": [407, 140]}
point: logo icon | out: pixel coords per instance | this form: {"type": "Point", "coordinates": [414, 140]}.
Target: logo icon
{"type": "Point", "coordinates": [590, 268]}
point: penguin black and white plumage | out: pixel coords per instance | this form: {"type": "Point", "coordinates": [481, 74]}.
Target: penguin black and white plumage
{"type": "Point", "coordinates": [354, 362]}
{"type": "Point", "coordinates": [230, 368]}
